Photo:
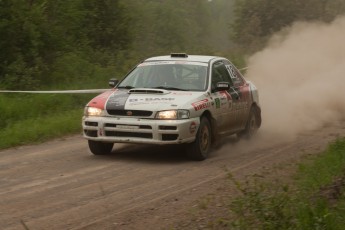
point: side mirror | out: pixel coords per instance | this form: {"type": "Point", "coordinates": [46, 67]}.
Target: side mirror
{"type": "Point", "coordinates": [113, 82]}
{"type": "Point", "coordinates": [221, 86]}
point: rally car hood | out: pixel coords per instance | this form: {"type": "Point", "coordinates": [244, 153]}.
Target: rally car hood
{"type": "Point", "coordinates": [145, 99]}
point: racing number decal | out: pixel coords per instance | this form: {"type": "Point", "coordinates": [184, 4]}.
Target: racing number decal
{"type": "Point", "coordinates": [231, 71]}
{"type": "Point", "coordinates": [235, 91]}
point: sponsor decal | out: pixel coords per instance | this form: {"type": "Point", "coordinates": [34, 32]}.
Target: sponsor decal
{"type": "Point", "coordinates": [203, 104]}
{"type": "Point", "coordinates": [223, 85]}
{"type": "Point", "coordinates": [182, 93]}
{"type": "Point", "coordinates": [245, 92]}
{"type": "Point", "coordinates": [192, 127]}
{"type": "Point", "coordinates": [217, 103]}
{"type": "Point", "coordinates": [242, 102]}
{"type": "Point", "coordinates": [225, 98]}
{"type": "Point", "coordinates": [241, 105]}
{"type": "Point", "coordinates": [100, 133]}
{"type": "Point", "coordinates": [150, 100]}
{"type": "Point", "coordinates": [225, 94]}
{"type": "Point", "coordinates": [159, 99]}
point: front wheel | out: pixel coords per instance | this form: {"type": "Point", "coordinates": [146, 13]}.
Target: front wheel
{"type": "Point", "coordinates": [100, 148]}
{"type": "Point", "coordinates": [200, 148]}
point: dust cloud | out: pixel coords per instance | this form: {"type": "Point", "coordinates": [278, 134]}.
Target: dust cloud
{"type": "Point", "coordinates": [301, 78]}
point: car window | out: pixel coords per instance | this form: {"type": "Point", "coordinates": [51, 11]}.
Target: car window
{"type": "Point", "coordinates": [239, 78]}
{"type": "Point", "coordinates": [192, 75]}
{"type": "Point", "coordinates": [220, 73]}
{"type": "Point", "coordinates": [140, 77]}
{"type": "Point", "coordinates": [235, 75]}
{"type": "Point", "coordinates": [168, 74]}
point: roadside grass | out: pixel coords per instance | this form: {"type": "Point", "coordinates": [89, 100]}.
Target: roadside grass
{"type": "Point", "coordinates": [313, 199]}
{"type": "Point", "coordinates": [35, 118]}
{"type": "Point", "coordinates": [309, 194]}
{"type": "Point", "coordinates": [27, 118]}
{"type": "Point", "coordinates": [34, 130]}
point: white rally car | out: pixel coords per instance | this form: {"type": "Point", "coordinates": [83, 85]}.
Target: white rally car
{"type": "Point", "coordinates": [176, 99]}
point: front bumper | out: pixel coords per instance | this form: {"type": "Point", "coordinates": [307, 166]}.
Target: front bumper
{"type": "Point", "coordinates": [138, 130]}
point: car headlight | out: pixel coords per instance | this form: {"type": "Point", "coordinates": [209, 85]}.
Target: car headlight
{"type": "Point", "coordinates": [93, 111]}
{"type": "Point", "coordinates": [172, 114]}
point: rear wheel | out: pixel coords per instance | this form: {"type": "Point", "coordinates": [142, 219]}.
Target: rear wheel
{"type": "Point", "coordinates": [100, 148]}
{"type": "Point", "coordinates": [200, 148]}
{"type": "Point", "coordinates": [251, 126]}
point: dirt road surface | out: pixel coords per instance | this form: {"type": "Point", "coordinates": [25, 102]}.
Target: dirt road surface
{"type": "Point", "coordinates": [61, 185]}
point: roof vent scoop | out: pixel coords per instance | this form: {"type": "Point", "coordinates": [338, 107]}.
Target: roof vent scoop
{"type": "Point", "coordinates": [179, 55]}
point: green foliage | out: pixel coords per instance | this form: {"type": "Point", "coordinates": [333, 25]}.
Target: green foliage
{"type": "Point", "coordinates": [15, 108]}
{"type": "Point", "coordinates": [106, 24]}
{"type": "Point", "coordinates": [47, 44]}
{"type": "Point", "coordinates": [28, 118]}
{"type": "Point", "coordinates": [323, 170]}
{"type": "Point", "coordinates": [195, 27]}
{"type": "Point", "coordinates": [263, 206]}
{"type": "Point", "coordinates": [20, 45]}
{"type": "Point", "coordinates": [37, 36]}
{"type": "Point", "coordinates": [315, 201]}
{"type": "Point", "coordinates": [38, 129]}
{"type": "Point", "coordinates": [256, 21]}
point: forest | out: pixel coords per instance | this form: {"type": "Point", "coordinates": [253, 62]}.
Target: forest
{"type": "Point", "coordinates": [81, 43]}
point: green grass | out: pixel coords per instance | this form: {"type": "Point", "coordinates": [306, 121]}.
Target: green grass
{"type": "Point", "coordinates": [27, 118]}
{"type": "Point", "coordinates": [315, 199]}
{"type": "Point", "coordinates": [322, 169]}
{"type": "Point", "coordinates": [33, 130]}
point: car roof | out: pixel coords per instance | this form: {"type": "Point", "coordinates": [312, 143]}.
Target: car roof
{"type": "Point", "coordinates": [191, 58]}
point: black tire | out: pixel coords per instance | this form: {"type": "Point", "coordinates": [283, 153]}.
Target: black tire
{"type": "Point", "coordinates": [100, 148]}
{"type": "Point", "coordinates": [252, 125]}
{"type": "Point", "coordinates": [200, 148]}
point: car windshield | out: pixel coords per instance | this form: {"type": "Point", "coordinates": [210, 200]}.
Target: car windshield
{"type": "Point", "coordinates": [170, 75]}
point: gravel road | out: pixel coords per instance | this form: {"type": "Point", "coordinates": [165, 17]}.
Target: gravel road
{"type": "Point", "coordinates": [61, 185]}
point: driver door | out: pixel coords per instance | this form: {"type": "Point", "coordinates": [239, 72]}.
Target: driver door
{"type": "Point", "coordinates": [224, 99]}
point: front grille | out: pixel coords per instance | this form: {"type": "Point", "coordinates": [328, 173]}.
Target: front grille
{"type": "Point", "coordinates": [165, 127]}
{"type": "Point", "coordinates": [90, 133]}
{"type": "Point", "coordinates": [90, 123]}
{"type": "Point", "coordinates": [128, 134]}
{"type": "Point", "coordinates": [115, 125]}
{"type": "Point", "coordinates": [169, 137]}
{"type": "Point", "coordinates": [130, 113]}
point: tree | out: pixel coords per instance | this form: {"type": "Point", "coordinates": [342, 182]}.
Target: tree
{"type": "Point", "coordinates": [41, 37]}
{"type": "Point", "coordinates": [107, 24]}
{"type": "Point", "coordinates": [190, 26]}
{"type": "Point", "coordinates": [256, 21]}
{"type": "Point", "coordinates": [21, 45]}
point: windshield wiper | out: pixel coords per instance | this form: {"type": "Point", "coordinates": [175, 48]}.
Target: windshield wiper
{"type": "Point", "coordinates": [169, 88]}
